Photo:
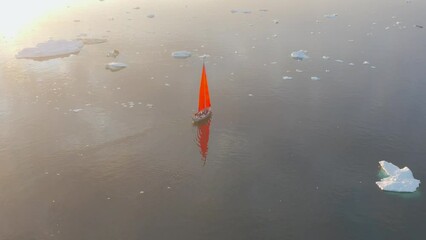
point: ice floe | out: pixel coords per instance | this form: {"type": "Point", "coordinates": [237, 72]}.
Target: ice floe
{"type": "Point", "coordinates": [398, 180]}
{"type": "Point", "coordinates": [115, 66]}
{"type": "Point", "coordinates": [287, 78]}
{"type": "Point", "coordinates": [299, 55]}
{"type": "Point", "coordinates": [181, 54]}
{"type": "Point", "coordinates": [51, 49]}
{"type": "Point", "coordinates": [315, 78]}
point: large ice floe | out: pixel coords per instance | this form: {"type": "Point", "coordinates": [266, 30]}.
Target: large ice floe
{"type": "Point", "coordinates": [51, 49]}
{"type": "Point", "coordinates": [398, 180]}
{"type": "Point", "coordinates": [181, 54]}
{"type": "Point", "coordinates": [299, 55]}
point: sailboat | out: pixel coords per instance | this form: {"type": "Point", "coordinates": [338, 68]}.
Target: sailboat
{"type": "Point", "coordinates": [204, 106]}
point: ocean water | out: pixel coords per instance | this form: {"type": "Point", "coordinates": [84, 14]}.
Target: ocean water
{"type": "Point", "coordinates": [86, 153]}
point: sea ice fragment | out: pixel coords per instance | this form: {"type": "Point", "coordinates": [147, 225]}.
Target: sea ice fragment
{"type": "Point", "coordinates": [398, 180]}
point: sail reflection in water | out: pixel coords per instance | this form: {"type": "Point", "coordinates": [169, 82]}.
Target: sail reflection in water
{"type": "Point", "coordinates": [203, 133]}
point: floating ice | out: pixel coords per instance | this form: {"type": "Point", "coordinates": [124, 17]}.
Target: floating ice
{"type": "Point", "coordinates": [51, 49]}
{"type": "Point", "coordinates": [315, 78]}
{"type": "Point", "coordinates": [299, 71]}
{"type": "Point", "coordinates": [287, 78]}
{"type": "Point", "coordinates": [115, 66]}
{"type": "Point", "coordinates": [239, 11]}
{"type": "Point", "coordinates": [150, 16]}
{"type": "Point", "coordinates": [90, 41]}
{"type": "Point", "coordinates": [365, 63]}
{"type": "Point", "coordinates": [276, 21]}
{"type": "Point", "coordinates": [299, 55]}
{"type": "Point", "coordinates": [338, 60]}
{"type": "Point", "coordinates": [333, 15]}
{"type": "Point", "coordinates": [181, 54]}
{"type": "Point", "coordinates": [325, 57]}
{"type": "Point", "coordinates": [113, 53]}
{"type": "Point", "coordinates": [398, 180]}
{"type": "Point", "coordinates": [77, 110]}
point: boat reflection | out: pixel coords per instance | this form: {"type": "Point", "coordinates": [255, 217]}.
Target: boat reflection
{"type": "Point", "coordinates": [202, 140]}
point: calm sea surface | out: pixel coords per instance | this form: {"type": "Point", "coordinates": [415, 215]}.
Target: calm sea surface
{"type": "Point", "coordinates": [87, 154]}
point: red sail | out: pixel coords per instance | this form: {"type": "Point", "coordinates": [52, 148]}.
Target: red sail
{"type": "Point", "coordinates": [204, 97]}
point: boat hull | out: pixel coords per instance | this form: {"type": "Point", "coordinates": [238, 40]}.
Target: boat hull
{"type": "Point", "coordinates": [200, 116]}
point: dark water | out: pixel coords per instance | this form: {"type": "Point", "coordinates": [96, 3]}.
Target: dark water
{"type": "Point", "coordinates": [286, 159]}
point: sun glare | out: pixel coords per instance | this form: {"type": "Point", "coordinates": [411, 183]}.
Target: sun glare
{"type": "Point", "coordinates": [16, 15]}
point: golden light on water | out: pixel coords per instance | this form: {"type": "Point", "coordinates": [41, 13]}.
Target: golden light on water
{"type": "Point", "coordinates": [16, 15]}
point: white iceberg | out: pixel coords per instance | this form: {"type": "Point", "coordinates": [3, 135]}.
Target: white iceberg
{"type": "Point", "coordinates": [51, 49]}
{"type": "Point", "coordinates": [115, 66]}
{"type": "Point", "coordinates": [299, 55]}
{"type": "Point", "coordinates": [398, 180]}
{"type": "Point", "coordinates": [181, 54]}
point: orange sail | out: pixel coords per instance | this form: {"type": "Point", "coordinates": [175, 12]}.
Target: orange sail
{"type": "Point", "coordinates": [204, 97]}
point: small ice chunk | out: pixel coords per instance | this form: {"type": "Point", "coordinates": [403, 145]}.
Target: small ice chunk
{"type": "Point", "coordinates": [113, 53]}
{"type": "Point", "coordinates": [315, 78]}
{"type": "Point", "coordinates": [365, 63]}
{"type": "Point", "coordinates": [115, 66]}
{"type": "Point", "coordinates": [299, 55]}
{"type": "Point", "coordinates": [276, 21]}
{"type": "Point", "coordinates": [150, 15]}
{"type": "Point", "coordinates": [51, 49]}
{"type": "Point", "coordinates": [250, 95]}
{"type": "Point", "coordinates": [398, 180]}
{"type": "Point", "coordinates": [239, 11]}
{"type": "Point", "coordinates": [181, 54]}
{"type": "Point", "coordinates": [149, 105]}
{"type": "Point", "coordinates": [299, 71]}
{"type": "Point", "coordinates": [325, 57]}
{"type": "Point", "coordinates": [333, 15]}
{"type": "Point", "coordinates": [338, 60]}
{"type": "Point", "coordinates": [91, 41]}
{"type": "Point", "coordinates": [351, 64]}
{"type": "Point", "coordinates": [287, 78]}
{"type": "Point", "coordinates": [77, 110]}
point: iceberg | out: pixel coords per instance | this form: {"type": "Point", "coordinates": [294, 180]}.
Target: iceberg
{"type": "Point", "coordinates": [115, 66]}
{"type": "Point", "coordinates": [398, 179]}
{"type": "Point", "coordinates": [181, 54]}
{"type": "Point", "coordinates": [299, 55]}
{"type": "Point", "coordinates": [51, 49]}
